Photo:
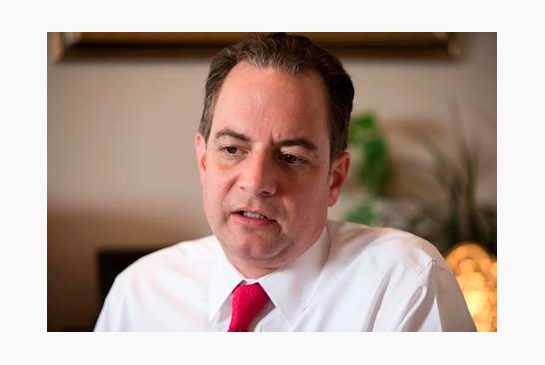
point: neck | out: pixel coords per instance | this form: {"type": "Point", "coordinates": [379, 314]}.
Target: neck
{"type": "Point", "coordinates": [251, 271]}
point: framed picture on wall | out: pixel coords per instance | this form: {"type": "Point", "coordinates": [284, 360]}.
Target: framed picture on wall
{"type": "Point", "coordinates": [183, 45]}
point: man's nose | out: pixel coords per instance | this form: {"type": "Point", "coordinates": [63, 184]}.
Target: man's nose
{"type": "Point", "coordinates": [258, 175]}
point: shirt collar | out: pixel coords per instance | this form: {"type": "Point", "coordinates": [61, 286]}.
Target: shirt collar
{"type": "Point", "coordinates": [225, 277]}
{"type": "Point", "coordinates": [289, 288]}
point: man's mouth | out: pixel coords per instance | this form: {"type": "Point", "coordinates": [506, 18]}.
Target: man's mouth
{"type": "Point", "coordinates": [252, 215]}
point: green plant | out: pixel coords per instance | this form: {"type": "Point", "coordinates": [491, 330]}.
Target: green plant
{"type": "Point", "coordinates": [447, 218]}
{"type": "Point", "coordinates": [372, 164]}
{"type": "Point", "coordinates": [456, 217]}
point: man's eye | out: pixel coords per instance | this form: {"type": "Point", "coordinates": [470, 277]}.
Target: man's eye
{"type": "Point", "coordinates": [231, 150]}
{"type": "Point", "coordinates": [291, 159]}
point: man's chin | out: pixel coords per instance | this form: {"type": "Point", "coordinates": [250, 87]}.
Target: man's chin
{"type": "Point", "coordinates": [253, 244]}
{"type": "Point", "coordinates": [253, 247]}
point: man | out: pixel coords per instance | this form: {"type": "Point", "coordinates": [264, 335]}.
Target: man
{"type": "Point", "coordinates": [271, 151]}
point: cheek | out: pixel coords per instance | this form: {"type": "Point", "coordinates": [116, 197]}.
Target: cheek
{"type": "Point", "coordinates": [307, 214]}
{"type": "Point", "coordinates": [306, 201]}
{"type": "Point", "coordinates": [216, 185]}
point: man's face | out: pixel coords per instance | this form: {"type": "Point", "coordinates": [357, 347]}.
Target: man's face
{"type": "Point", "coordinates": [265, 170]}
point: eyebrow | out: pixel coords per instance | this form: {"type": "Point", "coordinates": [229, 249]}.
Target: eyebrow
{"type": "Point", "coordinates": [303, 142]}
{"type": "Point", "coordinates": [226, 132]}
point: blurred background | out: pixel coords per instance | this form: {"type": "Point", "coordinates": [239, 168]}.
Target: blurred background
{"type": "Point", "coordinates": [123, 108]}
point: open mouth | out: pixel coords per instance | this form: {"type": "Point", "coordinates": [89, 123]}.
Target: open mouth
{"type": "Point", "coordinates": [251, 215]}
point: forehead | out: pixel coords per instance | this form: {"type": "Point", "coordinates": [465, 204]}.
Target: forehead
{"type": "Point", "coordinates": [271, 101]}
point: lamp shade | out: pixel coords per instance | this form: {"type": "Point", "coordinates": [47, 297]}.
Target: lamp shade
{"type": "Point", "coordinates": [475, 271]}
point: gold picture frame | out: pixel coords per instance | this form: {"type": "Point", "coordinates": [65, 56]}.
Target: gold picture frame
{"type": "Point", "coordinates": [182, 45]}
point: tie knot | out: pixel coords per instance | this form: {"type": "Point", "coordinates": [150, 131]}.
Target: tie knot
{"type": "Point", "coordinates": [248, 301]}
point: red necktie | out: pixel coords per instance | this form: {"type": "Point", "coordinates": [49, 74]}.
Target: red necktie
{"type": "Point", "coordinates": [248, 301]}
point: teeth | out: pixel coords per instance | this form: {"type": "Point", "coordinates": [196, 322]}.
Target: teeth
{"type": "Point", "coordinates": [253, 215]}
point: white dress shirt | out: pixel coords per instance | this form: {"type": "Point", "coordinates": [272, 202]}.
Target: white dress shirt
{"type": "Point", "coordinates": [354, 278]}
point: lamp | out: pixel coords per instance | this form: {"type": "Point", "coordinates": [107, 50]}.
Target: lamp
{"type": "Point", "coordinates": [475, 271]}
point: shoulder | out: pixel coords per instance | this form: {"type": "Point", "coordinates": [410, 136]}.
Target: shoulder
{"type": "Point", "coordinates": [407, 284]}
{"type": "Point", "coordinates": [186, 258]}
{"type": "Point", "coordinates": [382, 246]}
{"type": "Point", "coordinates": [143, 295]}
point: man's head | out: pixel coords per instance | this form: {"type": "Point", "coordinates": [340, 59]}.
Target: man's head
{"type": "Point", "coordinates": [294, 55]}
{"type": "Point", "coordinates": [271, 148]}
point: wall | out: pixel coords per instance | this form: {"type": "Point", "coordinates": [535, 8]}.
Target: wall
{"type": "Point", "coordinates": [121, 170]}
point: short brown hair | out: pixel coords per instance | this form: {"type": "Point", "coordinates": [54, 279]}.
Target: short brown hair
{"type": "Point", "coordinates": [293, 54]}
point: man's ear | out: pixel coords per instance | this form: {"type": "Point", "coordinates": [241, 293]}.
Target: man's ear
{"type": "Point", "coordinates": [337, 176]}
{"type": "Point", "coordinates": [200, 153]}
